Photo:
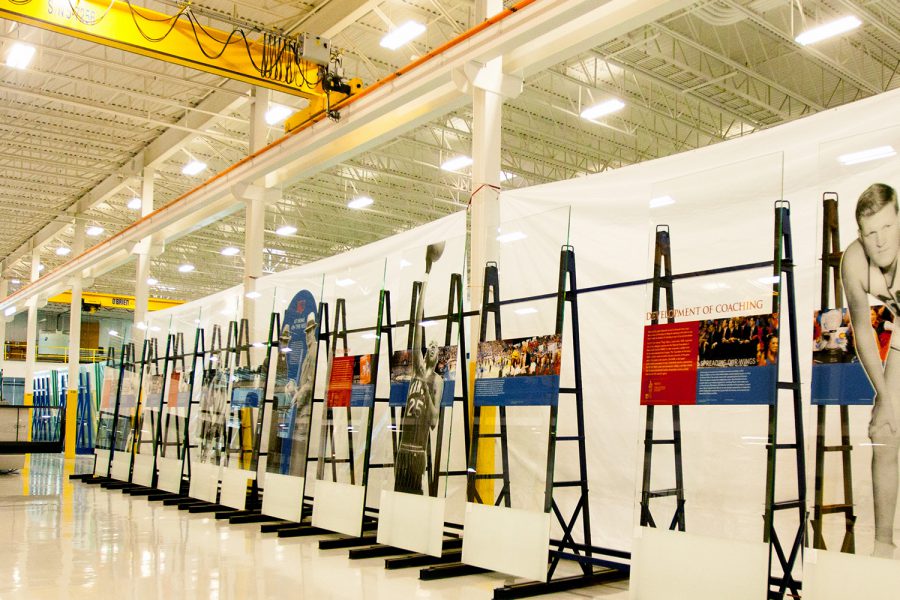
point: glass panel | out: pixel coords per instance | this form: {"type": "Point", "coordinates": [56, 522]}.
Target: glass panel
{"type": "Point", "coordinates": [854, 350]}
{"type": "Point", "coordinates": [716, 345]}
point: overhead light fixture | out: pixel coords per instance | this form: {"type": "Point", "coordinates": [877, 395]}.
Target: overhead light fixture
{"type": "Point", "coordinates": [16, 281]}
{"type": "Point", "coordinates": [63, 251]}
{"type": "Point", "coordinates": [41, 268]}
{"type": "Point", "coordinates": [661, 201]}
{"type": "Point", "coordinates": [253, 295]}
{"type": "Point", "coordinates": [457, 163]}
{"type": "Point", "coordinates": [19, 55]}
{"type": "Point", "coordinates": [512, 236]}
{"type": "Point", "coordinates": [94, 230]}
{"type": "Point", "coordinates": [113, 333]}
{"type": "Point", "coordinates": [230, 251]}
{"type": "Point", "coordinates": [194, 167]}
{"type": "Point", "coordinates": [286, 230]}
{"type": "Point", "coordinates": [827, 30]}
{"type": "Point", "coordinates": [152, 281]}
{"type": "Point", "coordinates": [141, 325]}
{"type": "Point", "coordinates": [507, 175]}
{"type": "Point", "coordinates": [404, 263]}
{"type": "Point", "coordinates": [275, 251]}
{"type": "Point", "coordinates": [360, 202]}
{"type": "Point", "coordinates": [186, 268]}
{"type": "Point", "coordinates": [277, 113]}
{"type": "Point", "coordinates": [346, 282]}
{"type": "Point", "coordinates": [402, 35]}
{"type": "Point", "coordinates": [855, 158]}
{"type": "Point", "coordinates": [10, 311]}
{"type": "Point", "coordinates": [135, 203]}
{"type": "Point", "coordinates": [602, 109]}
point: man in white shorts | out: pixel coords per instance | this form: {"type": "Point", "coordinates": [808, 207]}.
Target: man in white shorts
{"type": "Point", "coordinates": [869, 268]}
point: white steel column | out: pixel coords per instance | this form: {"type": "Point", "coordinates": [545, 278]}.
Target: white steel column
{"type": "Point", "coordinates": [255, 218]}
{"type": "Point", "coordinates": [31, 330]}
{"type": "Point", "coordinates": [485, 213]}
{"type": "Point", "coordinates": [74, 345]}
{"type": "Point", "coordinates": [141, 287]}
{"type": "Point", "coordinates": [4, 290]}
{"type": "Point", "coordinates": [485, 206]}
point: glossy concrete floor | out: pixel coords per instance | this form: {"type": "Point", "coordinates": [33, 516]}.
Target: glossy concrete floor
{"type": "Point", "coordinates": [63, 539]}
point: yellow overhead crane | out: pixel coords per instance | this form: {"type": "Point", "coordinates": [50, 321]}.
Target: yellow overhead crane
{"type": "Point", "coordinates": [91, 301]}
{"type": "Point", "coordinates": [301, 66]}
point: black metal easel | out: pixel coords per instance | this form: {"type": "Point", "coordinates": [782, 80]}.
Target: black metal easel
{"type": "Point", "coordinates": [831, 282]}
{"type": "Point", "coordinates": [786, 555]}
{"type": "Point", "coordinates": [662, 282]}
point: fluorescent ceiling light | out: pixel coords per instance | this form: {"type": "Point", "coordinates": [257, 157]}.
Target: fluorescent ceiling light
{"type": "Point", "coordinates": [16, 281]}
{"type": "Point", "coordinates": [402, 35]}
{"type": "Point", "coordinates": [193, 168]}
{"type": "Point", "coordinates": [855, 158]}
{"type": "Point", "coordinates": [512, 236]}
{"type": "Point", "coordinates": [286, 230]}
{"type": "Point", "coordinates": [186, 268]}
{"type": "Point", "coordinates": [19, 55]}
{"type": "Point", "coordinates": [361, 202]}
{"type": "Point", "coordinates": [141, 325]}
{"type": "Point", "coordinates": [113, 332]}
{"type": "Point", "coordinates": [602, 109]}
{"type": "Point", "coordinates": [770, 280]}
{"type": "Point", "coordinates": [10, 311]}
{"type": "Point", "coordinates": [63, 251]}
{"type": "Point", "coordinates": [94, 230]}
{"type": "Point", "coordinates": [277, 113]}
{"type": "Point", "coordinates": [526, 311]}
{"type": "Point", "coordinates": [457, 163]}
{"type": "Point", "coordinates": [344, 282]}
{"type": "Point", "coordinates": [230, 251]}
{"type": "Point", "coordinates": [507, 175]}
{"type": "Point", "coordinates": [661, 201]}
{"type": "Point", "coordinates": [275, 251]}
{"type": "Point", "coordinates": [154, 328]}
{"type": "Point", "coordinates": [135, 203]}
{"type": "Point", "coordinates": [253, 295]}
{"type": "Point", "coordinates": [152, 281]}
{"type": "Point", "coordinates": [831, 29]}
{"type": "Point", "coordinates": [41, 268]}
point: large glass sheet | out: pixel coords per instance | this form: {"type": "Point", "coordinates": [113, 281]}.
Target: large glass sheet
{"type": "Point", "coordinates": [853, 350]}
{"type": "Point", "coordinates": [218, 317]}
{"type": "Point", "coordinates": [412, 434]}
{"type": "Point", "coordinates": [714, 352]}
{"type": "Point", "coordinates": [178, 390]}
{"type": "Point", "coordinates": [294, 376]}
{"type": "Point", "coordinates": [351, 375]}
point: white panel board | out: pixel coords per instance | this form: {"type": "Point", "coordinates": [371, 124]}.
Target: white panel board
{"type": "Point", "coordinates": [204, 482]}
{"type": "Point", "coordinates": [411, 522]}
{"type": "Point", "coordinates": [142, 474]}
{"type": "Point", "coordinates": [682, 566]}
{"type": "Point", "coordinates": [837, 576]}
{"type": "Point", "coordinates": [283, 497]}
{"type": "Point", "coordinates": [169, 474]}
{"type": "Point", "coordinates": [507, 540]}
{"type": "Point", "coordinates": [339, 507]}
{"type": "Point", "coordinates": [234, 487]}
{"type": "Point", "coordinates": [121, 466]}
{"type": "Point", "coordinates": [101, 462]}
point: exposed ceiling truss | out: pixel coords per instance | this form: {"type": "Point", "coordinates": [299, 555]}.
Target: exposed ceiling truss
{"type": "Point", "coordinates": [79, 125]}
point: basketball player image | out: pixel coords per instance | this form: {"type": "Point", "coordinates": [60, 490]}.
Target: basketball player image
{"type": "Point", "coordinates": [423, 399]}
{"type": "Point", "coordinates": [869, 268]}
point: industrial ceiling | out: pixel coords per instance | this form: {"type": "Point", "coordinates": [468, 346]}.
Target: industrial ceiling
{"type": "Point", "coordinates": [77, 121]}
